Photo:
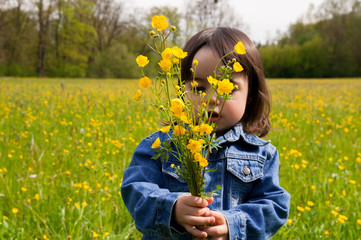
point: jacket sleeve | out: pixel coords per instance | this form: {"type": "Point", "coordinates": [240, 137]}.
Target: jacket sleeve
{"type": "Point", "coordinates": [149, 204]}
{"type": "Point", "coordinates": [265, 210]}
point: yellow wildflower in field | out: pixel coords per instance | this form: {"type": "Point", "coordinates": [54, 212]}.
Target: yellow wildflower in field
{"type": "Point", "coordinates": [195, 62]}
{"type": "Point", "coordinates": [237, 67]}
{"type": "Point", "coordinates": [142, 61]}
{"type": "Point", "coordinates": [24, 189]}
{"type": "Point", "coordinates": [194, 146]}
{"type": "Point", "coordinates": [144, 82]}
{"type": "Point", "coordinates": [300, 209]}
{"type": "Point", "coordinates": [159, 22]}
{"type": "Point", "coordinates": [167, 53]}
{"type": "Point", "coordinates": [225, 87]}
{"type": "Point", "coordinates": [359, 221]}
{"type": "Point", "coordinates": [310, 203]}
{"type": "Point", "coordinates": [37, 196]}
{"type": "Point", "coordinates": [156, 143]}
{"type": "Point", "coordinates": [44, 236]}
{"type": "Point", "coordinates": [289, 222]}
{"type": "Point", "coordinates": [165, 64]}
{"type": "Point", "coordinates": [240, 48]}
{"type": "Point", "coordinates": [15, 210]}
{"type": "Point", "coordinates": [95, 235]}
{"type": "Point", "coordinates": [137, 95]}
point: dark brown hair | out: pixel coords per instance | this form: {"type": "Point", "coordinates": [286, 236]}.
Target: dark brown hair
{"type": "Point", "coordinates": [222, 41]}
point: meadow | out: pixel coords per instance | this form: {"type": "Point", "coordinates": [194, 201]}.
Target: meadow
{"type": "Point", "coordinates": [64, 144]}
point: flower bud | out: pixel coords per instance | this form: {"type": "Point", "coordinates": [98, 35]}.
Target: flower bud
{"type": "Point", "coordinates": [234, 60]}
{"type": "Point", "coordinates": [156, 36]}
{"type": "Point", "coordinates": [161, 107]}
{"type": "Point", "coordinates": [177, 88]}
{"type": "Point", "coordinates": [152, 33]}
{"type": "Point", "coordinates": [173, 28]}
{"type": "Point", "coordinates": [172, 165]}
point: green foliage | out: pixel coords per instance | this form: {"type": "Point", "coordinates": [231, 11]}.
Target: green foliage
{"type": "Point", "coordinates": [327, 48]}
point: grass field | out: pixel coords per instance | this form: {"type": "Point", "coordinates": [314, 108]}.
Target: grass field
{"type": "Point", "coordinates": [64, 144]}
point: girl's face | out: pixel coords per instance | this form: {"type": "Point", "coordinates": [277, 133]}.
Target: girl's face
{"type": "Point", "coordinates": [234, 108]}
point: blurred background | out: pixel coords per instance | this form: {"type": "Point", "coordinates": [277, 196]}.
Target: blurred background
{"type": "Point", "coordinates": [101, 38]}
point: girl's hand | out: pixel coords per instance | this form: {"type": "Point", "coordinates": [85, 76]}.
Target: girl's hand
{"type": "Point", "coordinates": [192, 211]}
{"type": "Point", "coordinates": [219, 230]}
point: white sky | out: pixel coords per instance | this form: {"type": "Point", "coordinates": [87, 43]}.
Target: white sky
{"type": "Point", "coordinates": [263, 17]}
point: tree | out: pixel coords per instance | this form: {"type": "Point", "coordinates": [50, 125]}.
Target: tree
{"type": "Point", "coordinates": [201, 14]}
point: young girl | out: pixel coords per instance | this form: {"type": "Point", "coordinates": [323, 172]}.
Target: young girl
{"type": "Point", "coordinates": [250, 204]}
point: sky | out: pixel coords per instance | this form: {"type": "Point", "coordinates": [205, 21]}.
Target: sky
{"type": "Point", "coordinates": [264, 18]}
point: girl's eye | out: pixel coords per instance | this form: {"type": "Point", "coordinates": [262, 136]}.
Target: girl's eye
{"type": "Point", "coordinates": [200, 89]}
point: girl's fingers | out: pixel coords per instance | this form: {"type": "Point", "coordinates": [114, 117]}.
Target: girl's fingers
{"type": "Point", "coordinates": [195, 232]}
{"type": "Point", "coordinates": [218, 230]}
{"type": "Point", "coordinates": [199, 221]}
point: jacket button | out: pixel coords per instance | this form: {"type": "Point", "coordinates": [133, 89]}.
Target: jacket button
{"type": "Point", "coordinates": [246, 171]}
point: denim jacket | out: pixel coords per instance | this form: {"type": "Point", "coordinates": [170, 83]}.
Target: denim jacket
{"type": "Point", "coordinates": [246, 167]}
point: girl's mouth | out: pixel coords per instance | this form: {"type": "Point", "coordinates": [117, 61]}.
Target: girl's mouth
{"type": "Point", "coordinates": [213, 117]}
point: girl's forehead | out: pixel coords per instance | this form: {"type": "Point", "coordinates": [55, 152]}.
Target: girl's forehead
{"type": "Point", "coordinates": [207, 62]}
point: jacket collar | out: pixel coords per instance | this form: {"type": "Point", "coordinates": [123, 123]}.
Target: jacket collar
{"type": "Point", "coordinates": [236, 133]}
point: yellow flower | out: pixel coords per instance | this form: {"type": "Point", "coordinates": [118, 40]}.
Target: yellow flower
{"type": "Point", "coordinates": [95, 234]}
{"type": "Point", "coordinates": [310, 203]}
{"type": "Point", "coordinates": [359, 221]}
{"type": "Point", "coordinates": [225, 87]}
{"type": "Point", "coordinates": [300, 209]}
{"type": "Point", "coordinates": [240, 49]}
{"type": "Point", "coordinates": [156, 143]}
{"type": "Point", "coordinates": [15, 210]}
{"type": "Point", "coordinates": [178, 53]}
{"type": "Point", "coordinates": [166, 64]}
{"type": "Point", "coordinates": [205, 128]}
{"type": "Point", "coordinates": [194, 84]}
{"type": "Point", "coordinates": [237, 67]}
{"type": "Point", "coordinates": [179, 130]}
{"type": "Point", "coordinates": [137, 95]}
{"type": "Point", "coordinates": [327, 232]}
{"type": "Point", "coordinates": [212, 81]}
{"type": "Point", "coordinates": [77, 205]}
{"type": "Point", "coordinates": [144, 82]}
{"type": "Point", "coordinates": [177, 107]}
{"type": "Point", "coordinates": [165, 129]}
{"type": "Point", "coordinates": [289, 222]}
{"type": "Point", "coordinates": [167, 53]}
{"type": "Point", "coordinates": [194, 146]}
{"type": "Point", "coordinates": [24, 189]}
{"type": "Point", "coordinates": [159, 22]}
{"type": "Point", "coordinates": [201, 160]}
{"type": "Point", "coordinates": [142, 61]}
{"type": "Point", "coordinates": [195, 62]}
{"type": "Point", "coordinates": [37, 196]}
{"type": "Point", "coordinates": [45, 237]}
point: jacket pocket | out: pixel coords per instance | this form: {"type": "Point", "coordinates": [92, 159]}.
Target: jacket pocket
{"type": "Point", "coordinates": [247, 168]}
{"type": "Point", "coordinates": [172, 180]}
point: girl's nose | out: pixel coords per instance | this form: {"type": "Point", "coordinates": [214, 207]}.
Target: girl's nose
{"type": "Point", "coordinates": [213, 100]}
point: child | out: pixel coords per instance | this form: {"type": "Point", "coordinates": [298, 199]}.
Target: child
{"type": "Point", "coordinates": [250, 204]}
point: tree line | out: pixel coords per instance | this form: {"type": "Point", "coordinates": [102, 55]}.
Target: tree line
{"type": "Point", "coordinates": [101, 38]}
{"type": "Point", "coordinates": [328, 46]}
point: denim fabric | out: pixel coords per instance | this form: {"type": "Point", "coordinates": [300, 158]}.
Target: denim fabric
{"type": "Point", "coordinates": [246, 167]}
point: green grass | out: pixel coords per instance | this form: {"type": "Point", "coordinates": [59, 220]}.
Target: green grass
{"type": "Point", "coordinates": [64, 144]}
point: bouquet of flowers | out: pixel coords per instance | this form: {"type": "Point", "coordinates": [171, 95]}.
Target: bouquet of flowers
{"type": "Point", "coordinates": [187, 113]}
